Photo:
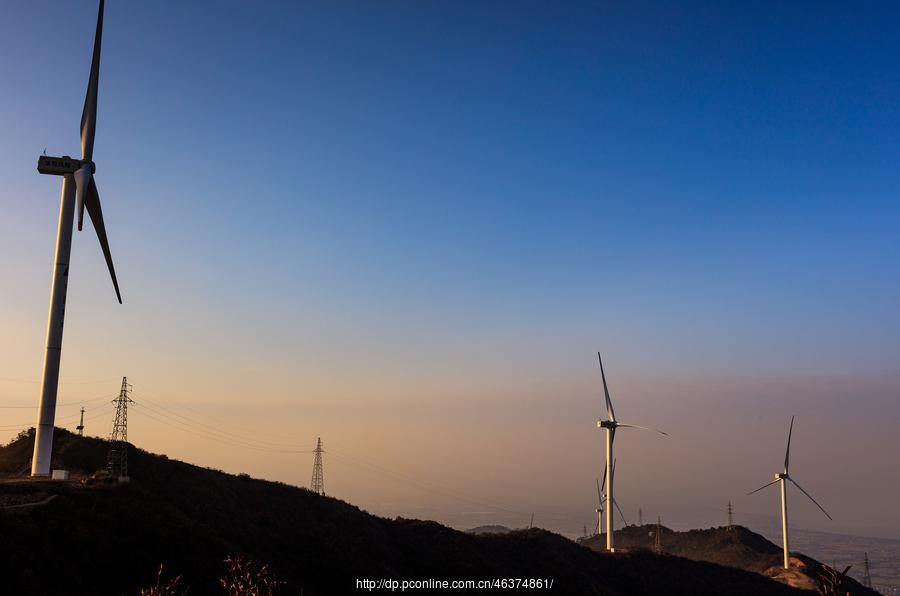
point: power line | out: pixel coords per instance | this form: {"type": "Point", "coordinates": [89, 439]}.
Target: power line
{"type": "Point", "coordinates": [186, 420]}
{"type": "Point", "coordinates": [14, 380]}
{"type": "Point", "coordinates": [181, 423]}
{"type": "Point", "coordinates": [207, 415]}
{"type": "Point", "coordinates": [193, 426]}
{"type": "Point", "coordinates": [165, 415]}
{"type": "Point", "coordinates": [162, 417]}
{"type": "Point", "coordinates": [61, 404]}
{"type": "Point", "coordinates": [24, 425]}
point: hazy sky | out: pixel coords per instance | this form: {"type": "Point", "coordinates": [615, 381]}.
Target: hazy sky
{"type": "Point", "coordinates": [407, 227]}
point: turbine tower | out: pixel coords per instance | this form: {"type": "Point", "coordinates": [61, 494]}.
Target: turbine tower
{"type": "Point", "coordinates": [79, 192]}
{"type": "Point", "coordinates": [611, 424]}
{"type": "Point", "coordinates": [783, 478]}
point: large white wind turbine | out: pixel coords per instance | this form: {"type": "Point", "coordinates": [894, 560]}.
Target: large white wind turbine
{"type": "Point", "coordinates": [79, 192]}
{"type": "Point", "coordinates": [783, 477]}
{"type": "Point", "coordinates": [611, 424]}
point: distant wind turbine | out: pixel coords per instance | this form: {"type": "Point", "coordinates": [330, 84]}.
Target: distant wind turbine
{"type": "Point", "coordinates": [599, 508]}
{"type": "Point", "coordinates": [783, 477]}
{"type": "Point", "coordinates": [601, 499]}
{"type": "Point", "coordinates": [611, 424]}
{"type": "Point", "coordinates": [79, 192]}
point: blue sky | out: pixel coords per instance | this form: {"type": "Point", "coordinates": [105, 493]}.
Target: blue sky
{"type": "Point", "coordinates": [449, 194]}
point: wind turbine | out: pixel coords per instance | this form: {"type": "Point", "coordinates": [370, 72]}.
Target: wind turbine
{"type": "Point", "coordinates": [611, 424]}
{"type": "Point", "coordinates": [79, 192]}
{"type": "Point", "coordinates": [783, 477]}
{"type": "Point", "coordinates": [599, 508]}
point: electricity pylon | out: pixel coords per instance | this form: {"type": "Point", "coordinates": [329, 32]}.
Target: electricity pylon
{"type": "Point", "coordinates": [318, 475]}
{"type": "Point", "coordinates": [867, 577]}
{"type": "Point", "coordinates": [657, 545]}
{"type": "Point", "coordinates": [117, 462]}
{"type": "Point", "coordinates": [730, 526]}
{"type": "Point", "coordinates": [80, 427]}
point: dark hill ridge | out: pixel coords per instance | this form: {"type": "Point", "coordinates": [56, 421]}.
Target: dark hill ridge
{"type": "Point", "coordinates": [738, 547]}
{"type": "Point", "coordinates": [110, 539]}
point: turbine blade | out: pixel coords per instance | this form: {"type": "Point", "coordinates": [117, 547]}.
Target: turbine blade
{"type": "Point", "coordinates": [645, 428]}
{"type": "Point", "coordinates": [787, 453]}
{"type": "Point", "coordinates": [603, 484]}
{"type": "Point", "coordinates": [83, 178]}
{"type": "Point", "coordinates": [92, 203]}
{"type": "Point", "coordinates": [612, 474]}
{"type": "Point", "coordinates": [763, 486]}
{"type": "Point", "coordinates": [609, 407]}
{"type": "Point", "coordinates": [599, 493]}
{"type": "Point", "coordinates": [89, 114]}
{"type": "Point", "coordinates": [619, 509]}
{"type": "Point", "coordinates": [811, 499]}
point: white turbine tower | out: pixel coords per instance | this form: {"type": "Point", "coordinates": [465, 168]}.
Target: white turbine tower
{"type": "Point", "coordinates": [611, 424]}
{"type": "Point", "coordinates": [79, 192]}
{"type": "Point", "coordinates": [783, 478]}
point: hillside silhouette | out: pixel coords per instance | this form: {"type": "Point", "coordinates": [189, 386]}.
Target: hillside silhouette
{"type": "Point", "coordinates": [103, 538]}
{"type": "Point", "coordinates": [737, 547]}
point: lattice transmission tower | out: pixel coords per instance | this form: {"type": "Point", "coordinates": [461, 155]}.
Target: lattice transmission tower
{"type": "Point", "coordinates": [657, 543]}
{"type": "Point", "coordinates": [117, 462]}
{"type": "Point", "coordinates": [867, 577]}
{"type": "Point", "coordinates": [318, 475]}
{"type": "Point", "coordinates": [80, 427]}
{"type": "Point", "coordinates": [730, 526]}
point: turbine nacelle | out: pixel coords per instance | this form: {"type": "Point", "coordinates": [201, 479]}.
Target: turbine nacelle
{"type": "Point", "coordinates": [781, 476]}
{"type": "Point", "coordinates": [60, 166]}
{"type": "Point", "coordinates": [82, 170]}
{"type": "Point", "coordinates": [610, 424]}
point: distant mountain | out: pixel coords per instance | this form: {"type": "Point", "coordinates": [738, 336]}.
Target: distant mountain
{"type": "Point", "coordinates": [736, 547]}
{"type": "Point", "coordinates": [76, 538]}
{"type": "Point", "coordinates": [488, 530]}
